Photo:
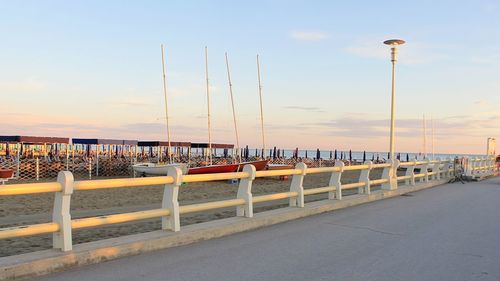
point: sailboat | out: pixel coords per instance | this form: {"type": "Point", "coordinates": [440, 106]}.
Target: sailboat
{"type": "Point", "coordinates": [267, 165]}
{"type": "Point", "coordinates": [210, 168]}
{"type": "Point", "coordinates": [258, 164]}
{"type": "Point", "coordinates": [158, 169]}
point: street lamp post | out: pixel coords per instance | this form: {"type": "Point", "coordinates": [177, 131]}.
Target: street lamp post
{"type": "Point", "coordinates": [393, 43]}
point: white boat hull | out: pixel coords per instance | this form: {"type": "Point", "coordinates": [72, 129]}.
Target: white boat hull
{"type": "Point", "coordinates": [157, 169]}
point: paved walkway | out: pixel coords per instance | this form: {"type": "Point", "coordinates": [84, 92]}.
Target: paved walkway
{"type": "Point", "coordinates": [450, 232]}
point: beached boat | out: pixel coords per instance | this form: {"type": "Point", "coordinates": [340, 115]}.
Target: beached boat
{"type": "Point", "coordinates": [212, 169]}
{"type": "Point", "coordinates": [157, 169]}
{"type": "Point", "coordinates": [258, 164]}
{"type": "Point", "coordinates": [279, 166]}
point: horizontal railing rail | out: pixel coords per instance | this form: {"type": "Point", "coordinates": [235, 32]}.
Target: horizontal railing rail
{"type": "Point", "coordinates": [62, 225]}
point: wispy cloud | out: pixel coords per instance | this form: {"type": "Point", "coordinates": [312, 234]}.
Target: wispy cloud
{"type": "Point", "coordinates": [27, 85]}
{"type": "Point", "coordinates": [308, 35]}
{"type": "Point", "coordinates": [304, 108]}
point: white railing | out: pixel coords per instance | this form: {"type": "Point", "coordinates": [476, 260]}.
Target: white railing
{"type": "Point", "coordinates": [62, 225]}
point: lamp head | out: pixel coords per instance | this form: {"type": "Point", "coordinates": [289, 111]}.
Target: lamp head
{"type": "Point", "coordinates": [394, 42]}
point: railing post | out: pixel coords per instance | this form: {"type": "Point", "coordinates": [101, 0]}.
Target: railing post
{"type": "Point", "coordinates": [492, 165]}
{"type": "Point", "coordinates": [335, 181]}
{"type": "Point", "coordinates": [170, 200]}
{"type": "Point", "coordinates": [364, 176]}
{"type": "Point", "coordinates": [390, 173]}
{"type": "Point", "coordinates": [424, 169]}
{"type": "Point", "coordinates": [436, 169]}
{"type": "Point", "coordinates": [296, 186]}
{"type": "Point", "coordinates": [245, 192]}
{"type": "Point", "coordinates": [450, 164]}
{"type": "Point", "coordinates": [61, 212]}
{"type": "Point", "coordinates": [475, 167]}
{"type": "Point", "coordinates": [410, 172]}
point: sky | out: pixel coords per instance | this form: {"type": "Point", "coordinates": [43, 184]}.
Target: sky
{"type": "Point", "coordinates": [93, 69]}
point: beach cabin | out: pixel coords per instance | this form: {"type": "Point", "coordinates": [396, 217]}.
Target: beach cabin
{"type": "Point", "coordinates": [158, 150]}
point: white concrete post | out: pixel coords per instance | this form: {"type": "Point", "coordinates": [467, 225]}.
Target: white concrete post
{"type": "Point", "coordinates": [480, 166]}
{"type": "Point", "coordinates": [335, 181]}
{"type": "Point", "coordinates": [170, 200]}
{"type": "Point", "coordinates": [424, 169]}
{"type": "Point", "coordinates": [245, 192]}
{"type": "Point", "coordinates": [477, 165]}
{"type": "Point", "coordinates": [390, 173]}
{"type": "Point", "coordinates": [410, 172]}
{"type": "Point", "coordinates": [61, 212]}
{"type": "Point", "coordinates": [364, 176]}
{"type": "Point", "coordinates": [436, 168]}
{"type": "Point", "coordinates": [448, 166]}
{"type": "Point", "coordinates": [296, 186]}
{"type": "Point", "coordinates": [491, 164]}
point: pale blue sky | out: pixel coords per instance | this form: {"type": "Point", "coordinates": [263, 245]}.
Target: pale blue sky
{"type": "Point", "coordinates": [92, 69]}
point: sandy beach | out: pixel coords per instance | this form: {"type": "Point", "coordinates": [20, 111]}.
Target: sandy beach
{"type": "Point", "coordinates": [30, 209]}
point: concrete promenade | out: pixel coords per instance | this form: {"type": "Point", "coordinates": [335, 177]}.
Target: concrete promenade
{"type": "Point", "coordinates": [450, 232]}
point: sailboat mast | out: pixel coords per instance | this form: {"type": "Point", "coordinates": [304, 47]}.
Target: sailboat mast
{"type": "Point", "coordinates": [425, 138]}
{"type": "Point", "coordinates": [432, 139]}
{"type": "Point", "coordinates": [166, 102]}
{"type": "Point", "coordinates": [234, 112]}
{"type": "Point", "coordinates": [261, 111]}
{"type": "Point", "coordinates": [208, 107]}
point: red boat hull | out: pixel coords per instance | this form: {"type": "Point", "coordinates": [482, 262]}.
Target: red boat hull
{"type": "Point", "coordinates": [259, 165]}
{"type": "Point", "coordinates": [213, 169]}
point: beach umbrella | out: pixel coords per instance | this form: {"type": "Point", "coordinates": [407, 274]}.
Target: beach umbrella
{"type": "Point", "coordinates": [364, 156]}
{"type": "Point", "coordinates": [335, 154]}
{"type": "Point", "coordinates": [318, 154]}
{"type": "Point", "coordinates": [274, 153]}
{"type": "Point", "coordinates": [350, 155]}
{"type": "Point", "coordinates": [306, 153]}
{"type": "Point", "coordinates": [407, 157]}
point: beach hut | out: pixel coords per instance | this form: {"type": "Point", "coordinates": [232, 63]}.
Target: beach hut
{"type": "Point", "coordinates": [26, 146]}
